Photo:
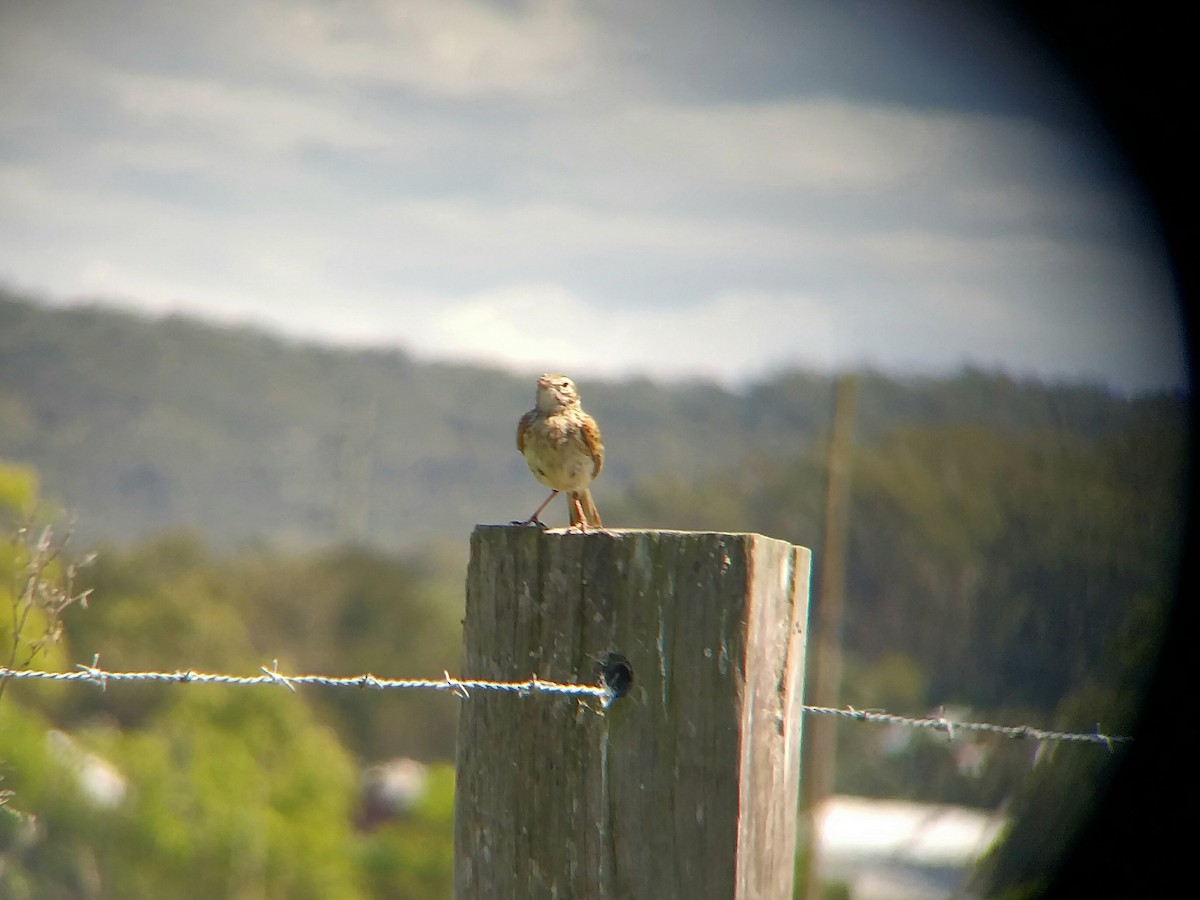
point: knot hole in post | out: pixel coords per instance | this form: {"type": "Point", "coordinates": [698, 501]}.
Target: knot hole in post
{"type": "Point", "coordinates": [614, 670]}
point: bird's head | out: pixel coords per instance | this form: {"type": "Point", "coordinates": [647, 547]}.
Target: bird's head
{"type": "Point", "coordinates": [554, 391]}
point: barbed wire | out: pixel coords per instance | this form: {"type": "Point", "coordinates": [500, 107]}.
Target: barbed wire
{"type": "Point", "coordinates": [941, 723]}
{"type": "Point", "coordinates": [462, 688]}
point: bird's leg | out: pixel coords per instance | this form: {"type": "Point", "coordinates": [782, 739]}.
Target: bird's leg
{"type": "Point", "coordinates": [591, 515]}
{"type": "Point", "coordinates": [583, 511]}
{"type": "Point", "coordinates": [534, 520]}
{"type": "Point", "coordinates": [577, 516]}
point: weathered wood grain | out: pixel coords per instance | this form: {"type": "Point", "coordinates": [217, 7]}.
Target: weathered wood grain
{"type": "Point", "coordinates": [687, 787]}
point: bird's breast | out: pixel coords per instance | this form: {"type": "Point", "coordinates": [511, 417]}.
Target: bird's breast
{"type": "Point", "coordinates": [556, 454]}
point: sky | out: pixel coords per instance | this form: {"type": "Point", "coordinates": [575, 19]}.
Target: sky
{"type": "Point", "coordinates": [663, 188]}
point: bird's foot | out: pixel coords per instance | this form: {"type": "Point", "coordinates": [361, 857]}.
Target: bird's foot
{"type": "Point", "coordinates": [532, 520]}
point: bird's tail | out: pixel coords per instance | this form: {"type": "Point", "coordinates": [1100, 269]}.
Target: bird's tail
{"type": "Point", "coordinates": [591, 515]}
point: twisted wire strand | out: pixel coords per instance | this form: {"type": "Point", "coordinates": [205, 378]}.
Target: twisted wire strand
{"type": "Point", "coordinates": [950, 726]}
{"type": "Point", "coordinates": [462, 688]}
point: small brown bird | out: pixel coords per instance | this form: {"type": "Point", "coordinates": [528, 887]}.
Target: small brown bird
{"type": "Point", "coordinates": [561, 444]}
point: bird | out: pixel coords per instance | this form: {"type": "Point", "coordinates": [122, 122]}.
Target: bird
{"type": "Point", "coordinates": [563, 449]}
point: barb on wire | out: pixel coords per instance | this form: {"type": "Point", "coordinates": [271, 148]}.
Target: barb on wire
{"type": "Point", "coordinates": [462, 687]}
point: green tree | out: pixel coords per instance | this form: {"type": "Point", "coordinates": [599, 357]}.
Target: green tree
{"type": "Point", "coordinates": [203, 790]}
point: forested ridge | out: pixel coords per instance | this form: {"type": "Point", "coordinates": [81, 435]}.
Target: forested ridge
{"type": "Point", "coordinates": [1013, 555]}
{"type": "Point", "coordinates": [140, 424]}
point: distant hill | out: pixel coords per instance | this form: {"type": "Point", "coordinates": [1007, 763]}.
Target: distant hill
{"type": "Point", "coordinates": [139, 424]}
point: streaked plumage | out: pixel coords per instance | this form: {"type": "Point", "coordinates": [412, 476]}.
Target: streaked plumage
{"type": "Point", "coordinates": [562, 447]}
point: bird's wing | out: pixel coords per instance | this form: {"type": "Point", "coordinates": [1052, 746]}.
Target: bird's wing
{"type": "Point", "coordinates": [522, 427]}
{"type": "Point", "coordinates": [591, 439]}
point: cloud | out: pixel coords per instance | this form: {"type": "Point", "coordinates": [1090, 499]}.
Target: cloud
{"type": "Point", "coordinates": [735, 335]}
{"type": "Point", "coordinates": [246, 121]}
{"type": "Point", "coordinates": [449, 49]}
{"type": "Point", "coordinates": [544, 326]}
{"type": "Point", "coordinates": [411, 171]}
{"type": "Point", "coordinates": [784, 145]}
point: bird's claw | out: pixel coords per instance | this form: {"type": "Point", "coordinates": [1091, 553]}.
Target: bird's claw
{"type": "Point", "coordinates": [532, 521]}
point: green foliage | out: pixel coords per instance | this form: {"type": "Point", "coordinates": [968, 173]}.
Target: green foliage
{"type": "Point", "coordinates": [1054, 802]}
{"type": "Point", "coordinates": [350, 611]}
{"type": "Point", "coordinates": [169, 604]}
{"type": "Point", "coordinates": [243, 790]}
{"type": "Point", "coordinates": [37, 586]}
{"type": "Point", "coordinates": [232, 792]}
{"type": "Point", "coordinates": [228, 793]}
{"type": "Point", "coordinates": [1007, 564]}
{"type": "Point", "coordinates": [1068, 782]}
{"type": "Point", "coordinates": [18, 490]}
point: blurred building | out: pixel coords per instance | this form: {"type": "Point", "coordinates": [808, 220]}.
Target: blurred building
{"type": "Point", "coordinates": [899, 850]}
{"type": "Point", "coordinates": [389, 791]}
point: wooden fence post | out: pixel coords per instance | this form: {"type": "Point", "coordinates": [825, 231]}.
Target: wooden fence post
{"type": "Point", "coordinates": [685, 787]}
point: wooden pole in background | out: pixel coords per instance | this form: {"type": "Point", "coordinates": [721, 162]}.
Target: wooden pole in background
{"type": "Point", "coordinates": [687, 786]}
{"type": "Point", "coordinates": [821, 750]}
